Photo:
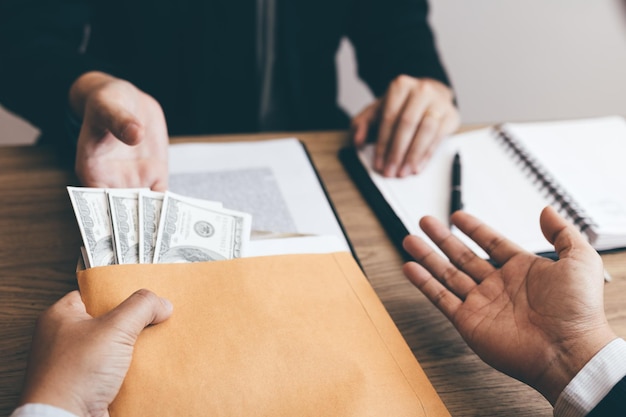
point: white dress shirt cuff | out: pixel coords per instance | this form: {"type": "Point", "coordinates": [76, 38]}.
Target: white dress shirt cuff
{"type": "Point", "coordinates": [41, 410]}
{"type": "Point", "coordinates": [593, 382]}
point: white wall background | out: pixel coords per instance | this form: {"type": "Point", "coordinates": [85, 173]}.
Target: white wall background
{"type": "Point", "coordinates": [525, 59]}
{"type": "Point", "coordinates": [534, 59]}
{"type": "Point", "coordinates": [508, 59]}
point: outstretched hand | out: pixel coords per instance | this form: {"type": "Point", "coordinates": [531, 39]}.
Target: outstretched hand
{"type": "Point", "coordinates": [78, 362]}
{"type": "Point", "coordinates": [532, 318]}
{"type": "Point", "coordinates": [123, 139]}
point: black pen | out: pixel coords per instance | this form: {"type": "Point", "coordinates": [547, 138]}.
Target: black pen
{"type": "Point", "coordinates": [456, 203]}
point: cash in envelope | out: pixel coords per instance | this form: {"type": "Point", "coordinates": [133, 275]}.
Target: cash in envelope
{"type": "Point", "coordinates": [124, 226]}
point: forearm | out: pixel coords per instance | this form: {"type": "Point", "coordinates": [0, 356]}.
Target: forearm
{"type": "Point", "coordinates": [393, 38]}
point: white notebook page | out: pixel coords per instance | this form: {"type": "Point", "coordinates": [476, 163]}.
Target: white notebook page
{"type": "Point", "coordinates": [495, 189]}
{"type": "Point", "coordinates": [588, 159]}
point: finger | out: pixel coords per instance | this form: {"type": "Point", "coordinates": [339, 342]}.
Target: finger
{"type": "Point", "coordinates": [442, 298]}
{"type": "Point", "coordinates": [449, 124]}
{"type": "Point", "coordinates": [418, 154]}
{"type": "Point", "coordinates": [453, 279]}
{"type": "Point", "coordinates": [406, 126]}
{"type": "Point", "coordinates": [450, 121]}
{"type": "Point", "coordinates": [497, 246]}
{"type": "Point", "coordinates": [460, 255]}
{"type": "Point", "coordinates": [563, 235]}
{"type": "Point", "coordinates": [138, 311]}
{"type": "Point", "coordinates": [160, 185]}
{"type": "Point", "coordinates": [393, 104]}
{"type": "Point", "coordinates": [425, 137]}
{"type": "Point", "coordinates": [161, 181]}
{"type": "Point", "coordinates": [153, 174]}
{"type": "Point", "coordinates": [118, 117]}
{"type": "Point", "coordinates": [421, 166]}
{"type": "Point", "coordinates": [362, 122]}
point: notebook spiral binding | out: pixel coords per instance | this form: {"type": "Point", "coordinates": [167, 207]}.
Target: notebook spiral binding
{"type": "Point", "coordinates": [563, 201]}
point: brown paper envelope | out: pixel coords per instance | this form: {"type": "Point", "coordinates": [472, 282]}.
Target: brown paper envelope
{"type": "Point", "coordinates": [293, 335]}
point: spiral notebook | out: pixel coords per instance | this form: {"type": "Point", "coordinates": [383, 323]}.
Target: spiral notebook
{"type": "Point", "coordinates": [510, 172]}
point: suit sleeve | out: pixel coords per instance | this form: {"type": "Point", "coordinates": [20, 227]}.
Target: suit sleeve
{"type": "Point", "coordinates": [599, 388]}
{"type": "Point", "coordinates": [42, 45]}
{"type": "Point", "coordinates": [614, 404]}
{"type": "Point", "coordinates": [393, 37]}
{"type": "Point", "coordinates": [40, 410]}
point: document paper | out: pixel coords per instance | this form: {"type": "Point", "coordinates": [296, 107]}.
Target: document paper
{"type": "Point", "coordinates": [272, 180]}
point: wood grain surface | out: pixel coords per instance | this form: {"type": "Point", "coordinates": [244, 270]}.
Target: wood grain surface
{"type": "Point", "coordinates": [39, 246]}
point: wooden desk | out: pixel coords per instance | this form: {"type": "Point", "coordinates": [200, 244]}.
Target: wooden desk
{"type": "Point", "coordinates": [39, 245]}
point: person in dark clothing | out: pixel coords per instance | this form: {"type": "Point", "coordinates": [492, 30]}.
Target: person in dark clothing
{"type": "Point", "coordinates": [122, 68]}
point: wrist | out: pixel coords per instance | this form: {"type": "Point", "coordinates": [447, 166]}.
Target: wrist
{"type": "Point", "coordinates": [52, 396]}
{"type": "Point", "coordinates": [61, 390]}
{"type": "Point", "coordinates": [568, 358]}
{"type": "Point", "coordinates": [594, 383]}
{"type": "Point", "coordinates": [83, 86]}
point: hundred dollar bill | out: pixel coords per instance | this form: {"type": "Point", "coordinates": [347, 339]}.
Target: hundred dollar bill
{"type": "Point", "coordinates": [191, 230]}
{"type": "Point", "coordinates": [123, 208]}
{"type": "Point", "coordinates": [150, 203]}
{"type": "Point", "coordinates": [92, 214]}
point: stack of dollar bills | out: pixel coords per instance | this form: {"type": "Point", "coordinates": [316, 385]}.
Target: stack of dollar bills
{"type": "Point", "coordinates": [129, 226]}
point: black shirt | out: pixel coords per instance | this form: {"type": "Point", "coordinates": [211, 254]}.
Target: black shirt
{"type": "Point", "coordinates": [198, 58]}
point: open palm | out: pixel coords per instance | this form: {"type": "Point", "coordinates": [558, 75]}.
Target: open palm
{"type": "Point", "coordinates": [526, 318]}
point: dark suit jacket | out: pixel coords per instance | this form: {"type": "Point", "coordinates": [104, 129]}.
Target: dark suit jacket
{"type": "Point", "coordinates": [614, 404]}
{"type": "Point", "coordinates": [197, 58]}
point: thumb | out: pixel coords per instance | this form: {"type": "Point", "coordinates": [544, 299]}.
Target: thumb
{"type": "Point", "coordinates": [139, 310]}
{"type": "Point", "coordinates": [117, 115]}
{"type": "Point", "coordinates": [561, 233]}
{"type": "Point", "coordinates": [361, 122]}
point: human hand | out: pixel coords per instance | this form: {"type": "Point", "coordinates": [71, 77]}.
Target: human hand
{"type": "Point", "coordinates": [123, 139]}
{"type": "Point", "coordinates": [535, 319]}
{"type": "Point", "coordinates": [413, 116]}
{"type": "Point", "coordinates": [77, 362]}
